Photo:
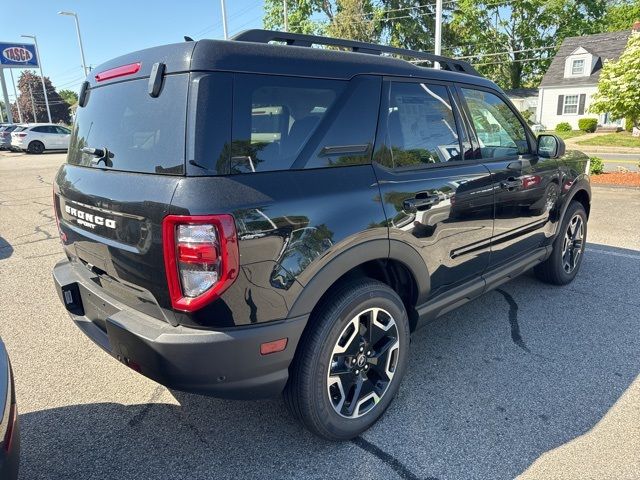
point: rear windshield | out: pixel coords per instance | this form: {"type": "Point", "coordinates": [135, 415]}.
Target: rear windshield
{"type": "Point", "coordinates": [130, 130]}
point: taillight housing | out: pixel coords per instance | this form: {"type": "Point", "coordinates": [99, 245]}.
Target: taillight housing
{"type": "Point", "coordinates": [201, 258]}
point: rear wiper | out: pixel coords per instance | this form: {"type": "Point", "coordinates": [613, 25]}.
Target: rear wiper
{"type": "Point", "coordinates": [101, 154]}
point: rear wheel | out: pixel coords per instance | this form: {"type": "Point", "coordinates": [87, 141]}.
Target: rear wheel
{"type": "Point", "coordinates": [351, 361]}
{"type": "Point", "coordinates": [568, 248]}
{"type": "Point", "coordinates": [35, 147]}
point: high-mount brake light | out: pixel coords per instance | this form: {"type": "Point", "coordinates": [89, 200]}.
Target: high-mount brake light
{"type": "Point", "coordinates": [120, 71]}
{"type": "Point", "coordinates": [201, 258]}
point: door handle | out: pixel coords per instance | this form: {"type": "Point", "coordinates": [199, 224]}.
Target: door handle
{"type": "Point", "coordinates": [415, 204]}
{"type": "Point", "coordinates": [511, 183]}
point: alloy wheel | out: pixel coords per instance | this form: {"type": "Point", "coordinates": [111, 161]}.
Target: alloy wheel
{"type": "Point", "coordinates": [573, 244]}
{"type": "Point", "coordinates": [363, 362]}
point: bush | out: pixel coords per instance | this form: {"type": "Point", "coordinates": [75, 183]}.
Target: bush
{"type": "Point", "coordinates": [588, 125]}
{"type": "Point", "coordinates": [628, 124]}
{"type": "Point", "coordinates": [563, 127]}
{"type": "Point", "coordinates": [596, 166]}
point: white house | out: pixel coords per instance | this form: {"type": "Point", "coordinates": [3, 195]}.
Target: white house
{"type": "Point", "coordinates": [524, 99]}
{"type": "Point", "coordinates": [572, 78]}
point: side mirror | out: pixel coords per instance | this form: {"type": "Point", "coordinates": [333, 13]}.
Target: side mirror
{"type": "Point", "coordinates": [550, 146]}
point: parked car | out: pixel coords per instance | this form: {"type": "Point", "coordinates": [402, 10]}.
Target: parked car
{"type": "Point", "coordinates": [38, 137]}
{"type": "Point", "coordinates": [9, 431]}
{"type": "Point", "coordinates": [5, 135]}
{"type": "Point", "coordinates": [242, 218]}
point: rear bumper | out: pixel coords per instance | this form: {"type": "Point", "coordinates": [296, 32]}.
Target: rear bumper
{"type": "Point", "coordinates": [225, 363]}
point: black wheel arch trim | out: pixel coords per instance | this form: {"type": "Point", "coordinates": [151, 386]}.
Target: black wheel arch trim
{"type": "Point", "coordinates": [581, 183]}
{"type": "Point", "coordinates": [380, 249]}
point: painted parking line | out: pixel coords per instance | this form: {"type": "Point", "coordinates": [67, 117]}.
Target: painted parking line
{"type": "Point", "coordinates": [615, 254]}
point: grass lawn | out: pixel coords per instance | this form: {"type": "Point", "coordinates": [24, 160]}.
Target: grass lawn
{"type": "Point", "coordinates": [569, 134]}
{"type": "Point", "coordinates": [620, 139]}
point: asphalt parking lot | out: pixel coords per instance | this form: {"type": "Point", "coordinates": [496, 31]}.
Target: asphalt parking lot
{"type": "Point", "coordinates": [529, 380]}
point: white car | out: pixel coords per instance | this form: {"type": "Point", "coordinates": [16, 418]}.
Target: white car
{"type": "Point", "coordinates": [38, 137]}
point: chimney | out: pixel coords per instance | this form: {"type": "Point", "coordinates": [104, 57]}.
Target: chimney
{"type": "Point", "coordinates": [636, 26]}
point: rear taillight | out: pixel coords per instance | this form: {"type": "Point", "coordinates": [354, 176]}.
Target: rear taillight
{"type": "Point", "coordinates": [201, 258]}
{"type": "Point", "coordinates": [63, 236]}
{"type": "Point", "coordinates": [21, 135]}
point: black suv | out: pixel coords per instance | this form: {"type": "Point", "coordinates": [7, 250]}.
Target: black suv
{"type": "Point", "coordinates": [249, 217]}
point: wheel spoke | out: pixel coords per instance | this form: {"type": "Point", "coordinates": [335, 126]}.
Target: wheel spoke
{"type": "Point", "coordinates": [363, 362]}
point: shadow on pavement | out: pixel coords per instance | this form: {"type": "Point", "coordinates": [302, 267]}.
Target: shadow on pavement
{"type": "Point", "coordinates": [491, 387]}
{"type": "Point", "coordinates": [6, 250]}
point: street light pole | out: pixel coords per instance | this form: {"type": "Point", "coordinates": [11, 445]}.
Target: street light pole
{"type": "Point", "coordinates": [286, 15]}
{"type": "Point", "coordinates": [75, 17]}
{"type": "Point", "coordinates": [44, 87]}
{"type": "Point", "coordinates": [438, 39]}
{"type": "Point", "coordinates": [33, 105]}
{"type": "Point", "coordinates": [15, 94]}
{"type": "Point", "coordinates": [224, 19]}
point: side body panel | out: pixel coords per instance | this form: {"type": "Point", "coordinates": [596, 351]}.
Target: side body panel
{"type": "Point", "coordinates": [290, 224]}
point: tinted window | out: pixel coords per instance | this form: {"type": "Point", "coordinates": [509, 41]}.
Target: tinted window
{"type": "Point", "coordinates": [273, 117]}
{"type": "Point", "coordinates": [62, 130]}
{"type": "Point", "coordinates": [42, 129]}
{"type": "Point", "coordinates": [421, 128]}
{"type": "Point", "coordinates": [141, 133]}
{"type": "Point", "coordinates": [350, 134]}
{"type": "Point", "coordinates": [500, 132]}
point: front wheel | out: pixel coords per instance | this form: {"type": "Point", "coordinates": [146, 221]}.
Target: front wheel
{"type": "Point", "coordinates": [568, 248]}
{"type": "Point", "coordinates": [350, 361]}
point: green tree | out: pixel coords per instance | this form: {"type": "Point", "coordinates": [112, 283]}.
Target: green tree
{"type": "Point", "coordinates": [32, 98]}
{"type": "Point", "coordinates": [529, 31]}
{"type": "Point", "coordinates": [619, 85]}
{"type": "Point", "coordinates": [620, 15]}
{"type": "Point", "coordinates": [353, 19]}
{"type": "Point", "coordinates": [69, 96]}
{"type": "Point", "coordinates": [512, 43]}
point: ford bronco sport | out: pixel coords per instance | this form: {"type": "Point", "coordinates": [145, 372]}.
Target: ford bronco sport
{"type": "Point", "coordinates": [249, 217]}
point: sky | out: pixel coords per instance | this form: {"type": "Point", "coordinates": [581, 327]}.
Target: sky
{"type": "Point", "coordinates": [114, 27]}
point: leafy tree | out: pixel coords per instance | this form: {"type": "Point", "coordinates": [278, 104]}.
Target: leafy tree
{"type": "Point", "coordinates": [353, 20]}
{"type": "Point", "coordinates": [619, 85]}
{"type": "Point", "coordinates": [530, 29]}
{"type": "Point", "coordinates": [484, 31]}
{"type": "Point", "coordinates": [30, 84]}
{"type": "Point", "coordinates": [620, 15]}
{"type": "Point", "coordinates": [69, 96]}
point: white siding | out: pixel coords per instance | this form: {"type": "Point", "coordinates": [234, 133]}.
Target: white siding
{"type": "Point", "coordinates": [548, 106]}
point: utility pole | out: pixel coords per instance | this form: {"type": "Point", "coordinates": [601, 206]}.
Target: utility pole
{"type": "Point", "coordinates": [224, 20]}
{"type": "Point", "coordinates": [7, 104]}
{"type": "Point", "coordinates": [438, 39]}
{"type": "Point", "coordinates": [44, 87]}
{"type": "Point", "coordinates": [286, 15]}
{"type": "Point", "coordinates": [15, 93]}
{"type": "Point", "coordinates": [33, 105]}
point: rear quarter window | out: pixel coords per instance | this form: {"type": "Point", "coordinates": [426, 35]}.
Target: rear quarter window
{"type": "Point", "coordinates": [274, 117]}
{"type": "Point", "coordinates": [141, 133]}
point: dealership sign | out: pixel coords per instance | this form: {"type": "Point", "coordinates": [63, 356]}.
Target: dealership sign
{"type": "Point", "coordinates": [18, 55]}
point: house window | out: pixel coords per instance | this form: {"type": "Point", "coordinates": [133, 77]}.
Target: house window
{"type": "Point", "coordinates": [577, 67]}
{"type": "Point", "coordinates": [570, 104]}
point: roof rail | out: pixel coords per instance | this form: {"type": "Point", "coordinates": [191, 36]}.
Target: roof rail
{"type": "Point", "coordinates": [301, 40]}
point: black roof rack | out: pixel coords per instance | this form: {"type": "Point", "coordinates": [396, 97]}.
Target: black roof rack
{"type": "Point", "coordinates": [301, 40]}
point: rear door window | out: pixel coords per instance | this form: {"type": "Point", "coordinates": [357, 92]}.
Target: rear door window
{"type": "Point", "coordinates": [274, 117]}
{"type": "Point", "coordinates": [420, 125]}
{"type": "Point", "coordinates": [141, 133]}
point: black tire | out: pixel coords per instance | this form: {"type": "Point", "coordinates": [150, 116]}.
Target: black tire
{"type": "Point", "coordinates": [307, 392]}
{"type": "Point", "coordinates": [36, 147]}
{"type": "Point", "coordinates": [554, 269]}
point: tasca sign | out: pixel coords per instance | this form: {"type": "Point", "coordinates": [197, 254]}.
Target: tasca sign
{"type": "Point", "coordinates": [18, 55]}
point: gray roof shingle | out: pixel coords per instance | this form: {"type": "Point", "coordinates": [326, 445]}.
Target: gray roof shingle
{"type": "Point", "coordinates": [604, 45]}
